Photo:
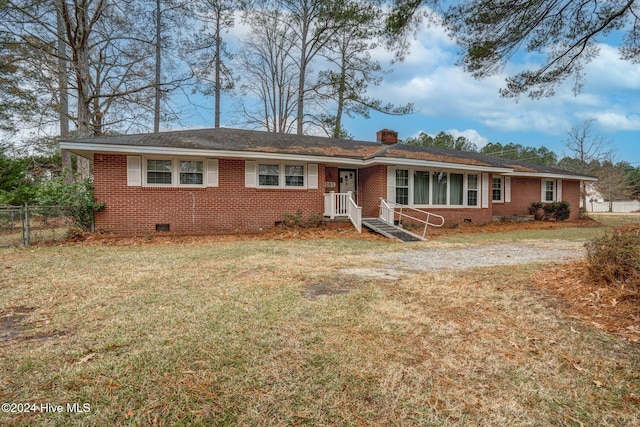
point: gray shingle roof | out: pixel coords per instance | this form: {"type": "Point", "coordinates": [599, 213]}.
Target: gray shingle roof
{"type": "Point", "coordinates": [226, 139]}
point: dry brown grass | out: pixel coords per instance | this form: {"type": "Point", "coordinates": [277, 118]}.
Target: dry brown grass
{"type": "Point", "coordinates": [610, 308]}
{"type": "Point", "coordinates": [252, 331]}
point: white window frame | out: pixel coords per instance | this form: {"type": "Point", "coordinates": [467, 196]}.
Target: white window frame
{"type": "Point", "coordinates": [391, 188]}
{"type": "Point", "coordinates": [175, 171]}
{"type": "Point", "coordinates": [468, 190]}
{"type": "Point", "coordinates": [278, 175]}
{"type": "Point", "coordinates": [146, 172]}
{"type": "Point", "coordinates": [282, 184]}
{"type": "Point", "coordinates": [303, 175]}
{"type": "Point", "coordinates": [544, 190]}
{"type": "Point", "coordinates": [493, 180]}
{"type": "Point", "coordinates": [408, 186]}
{"type": "Point", "coordinates": [203, 171]}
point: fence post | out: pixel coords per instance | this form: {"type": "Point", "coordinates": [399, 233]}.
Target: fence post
{"type": "Point", "coordinates": [27, 235]}
{"type": "Point", "coordinates": [21, 217]}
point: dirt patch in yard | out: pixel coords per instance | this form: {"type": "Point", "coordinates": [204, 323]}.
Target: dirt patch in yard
{"type": "Point", "coordinates": [317, 289]}
{"type": "Point", "coordinates": [456, 257]}
{"type": "Point", "coordinates": [15, 325]}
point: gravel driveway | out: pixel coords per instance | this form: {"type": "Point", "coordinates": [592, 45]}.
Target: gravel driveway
{"type": "Point", "coordinates": [455, 257]}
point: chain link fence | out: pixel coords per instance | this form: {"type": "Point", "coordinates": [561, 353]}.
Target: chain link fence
{"type": "Point", "coordinates": [26, 225]}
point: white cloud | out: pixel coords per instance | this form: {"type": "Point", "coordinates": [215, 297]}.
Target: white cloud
{"type": "Point", "coordinates": [617, 121]}
{"type": "Point", "coordinates": [609, 71]}
{"type": "Point", "coordinates": [441, 90]}
{"type": "Point", "coordinates": [471, 134]}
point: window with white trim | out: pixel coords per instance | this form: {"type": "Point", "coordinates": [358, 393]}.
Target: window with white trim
{"type": "Point", "coordinates": [439, 185]}
{"type": "Point", "coordinates": [423, 188]}
{"type": "Point", "coordinates": [281, 175]}
{"type": "Point", "coordinates": [294, 175]}
{"type": "Point", "coordinates": [402, 186]}
{"type": "Point", "coordinates": [159, 171]}
{"type": "Point", "coordinates": [178, 172]}
{"type": "Point", "coordinates": [191, 172]}
{"type": "Point", "coordinates": [269, 175]}
{"type": "Point", "coordinates": [456, 189]}
{"type": "Point", "coordinates": [497, 189]}
{"type": "Point", "coordinates": [472, 190]}
{"type": "Point", "coordinates": [549, 190]}
{"type": "Point", "coordinates": [420, 187]}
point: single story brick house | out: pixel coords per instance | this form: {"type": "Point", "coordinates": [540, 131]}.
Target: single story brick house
{"type": "Point", "coordinates": [221, 180]}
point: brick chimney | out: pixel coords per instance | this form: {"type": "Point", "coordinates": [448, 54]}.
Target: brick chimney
{"type": "Point", "coordinates": [387, 136]}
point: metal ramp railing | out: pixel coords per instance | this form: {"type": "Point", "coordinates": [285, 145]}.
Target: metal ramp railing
{"type": "Point", "coordinates": [390, 210]}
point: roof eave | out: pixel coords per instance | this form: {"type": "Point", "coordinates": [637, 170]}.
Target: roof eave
{"type": "Point", "coordinates": [90, 148]}
{"type": "Point", "coordinates": [551, 175]}
{"type": "Point", "coordinates": [434, 164]}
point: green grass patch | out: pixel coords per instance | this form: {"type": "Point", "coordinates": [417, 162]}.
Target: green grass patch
{"type": "Point", "coordinates": [561, 233]}
{"type": "Point", "coordinates": [616, 220]}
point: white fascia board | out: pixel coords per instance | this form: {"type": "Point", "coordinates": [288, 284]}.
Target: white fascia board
{"type": "Point", "coordinates": [196, 152]}
{"type": "Point", "coordinates": [551, 175]}
{"type": "Point", "coordinates": [435, 165]}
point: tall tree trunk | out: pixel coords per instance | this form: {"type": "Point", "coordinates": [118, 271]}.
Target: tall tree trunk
{"type": "Point", "coordinates": [218, 83]}
{"type": "Point", "coordinates": [63, 86]}
{"type": "Point", "coordinates": [342, 88]}
{"type": "Point", "coordinates": [304, 19]}
{"type": "Point", "coordinates": [78, 37]}
{"type": "Point", "coordinates": [156, 109]}
{"type": "Point", "coordinates": [301, 84]}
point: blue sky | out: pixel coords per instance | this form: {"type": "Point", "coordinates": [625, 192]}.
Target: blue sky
{"type": "Point", "coordinates": [448, 99]}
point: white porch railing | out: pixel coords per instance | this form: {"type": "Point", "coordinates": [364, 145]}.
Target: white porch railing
{"type": "Point", "coordinates": [389, 210]}
{"type": "Point", "coordinates": [341, 205]}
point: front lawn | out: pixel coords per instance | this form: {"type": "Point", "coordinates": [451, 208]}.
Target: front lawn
{"type": "Point", "coordinates": [279, 332]}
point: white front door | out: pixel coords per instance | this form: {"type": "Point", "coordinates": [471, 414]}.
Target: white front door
{"type": "Point", "coordinates": [348, 181]}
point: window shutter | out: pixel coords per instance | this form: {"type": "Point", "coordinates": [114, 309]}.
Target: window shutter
{"type": "Point", "coordinates": [543, 187]}
{"type": "Point", "coordinates": [391, 183]}
{"type": "Point", "coordinates": [507, 189]}
{"type": "Point", "coordinates": [212, 172]}
{"type": "Point", "coordinates": [312, 175]}
{"type": "Point", "coordinates": [485, 190]}
{"type": "Point", "coordinates": [134, 171]}
{"type": "Point", "coordinates": [250, 174]}
{"type": "Point", "coordinates": [559, 190]}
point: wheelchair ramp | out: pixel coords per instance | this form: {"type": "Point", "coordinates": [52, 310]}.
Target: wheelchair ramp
{"type": "Point", "coordinates": [391, 231]}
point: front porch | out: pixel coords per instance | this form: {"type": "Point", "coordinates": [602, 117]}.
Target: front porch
{"type": "Point", "coordinates": [342, 206]}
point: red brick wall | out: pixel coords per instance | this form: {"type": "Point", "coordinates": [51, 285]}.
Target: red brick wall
{"type": "Point", "coordinates": [373, 185]}
{"type": "Point", "coordinates": [331, 174]}
{"type": "Point", "coordinates": [228, 207]}
{"type": "Point", "coordinates": [523, 192]}
{"type": "Point", "coordinates": [571, 193]}
{"type": "Point", "coordinates": [527, 190]}
{"type": "Point", "coordinates": [231, 206]}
